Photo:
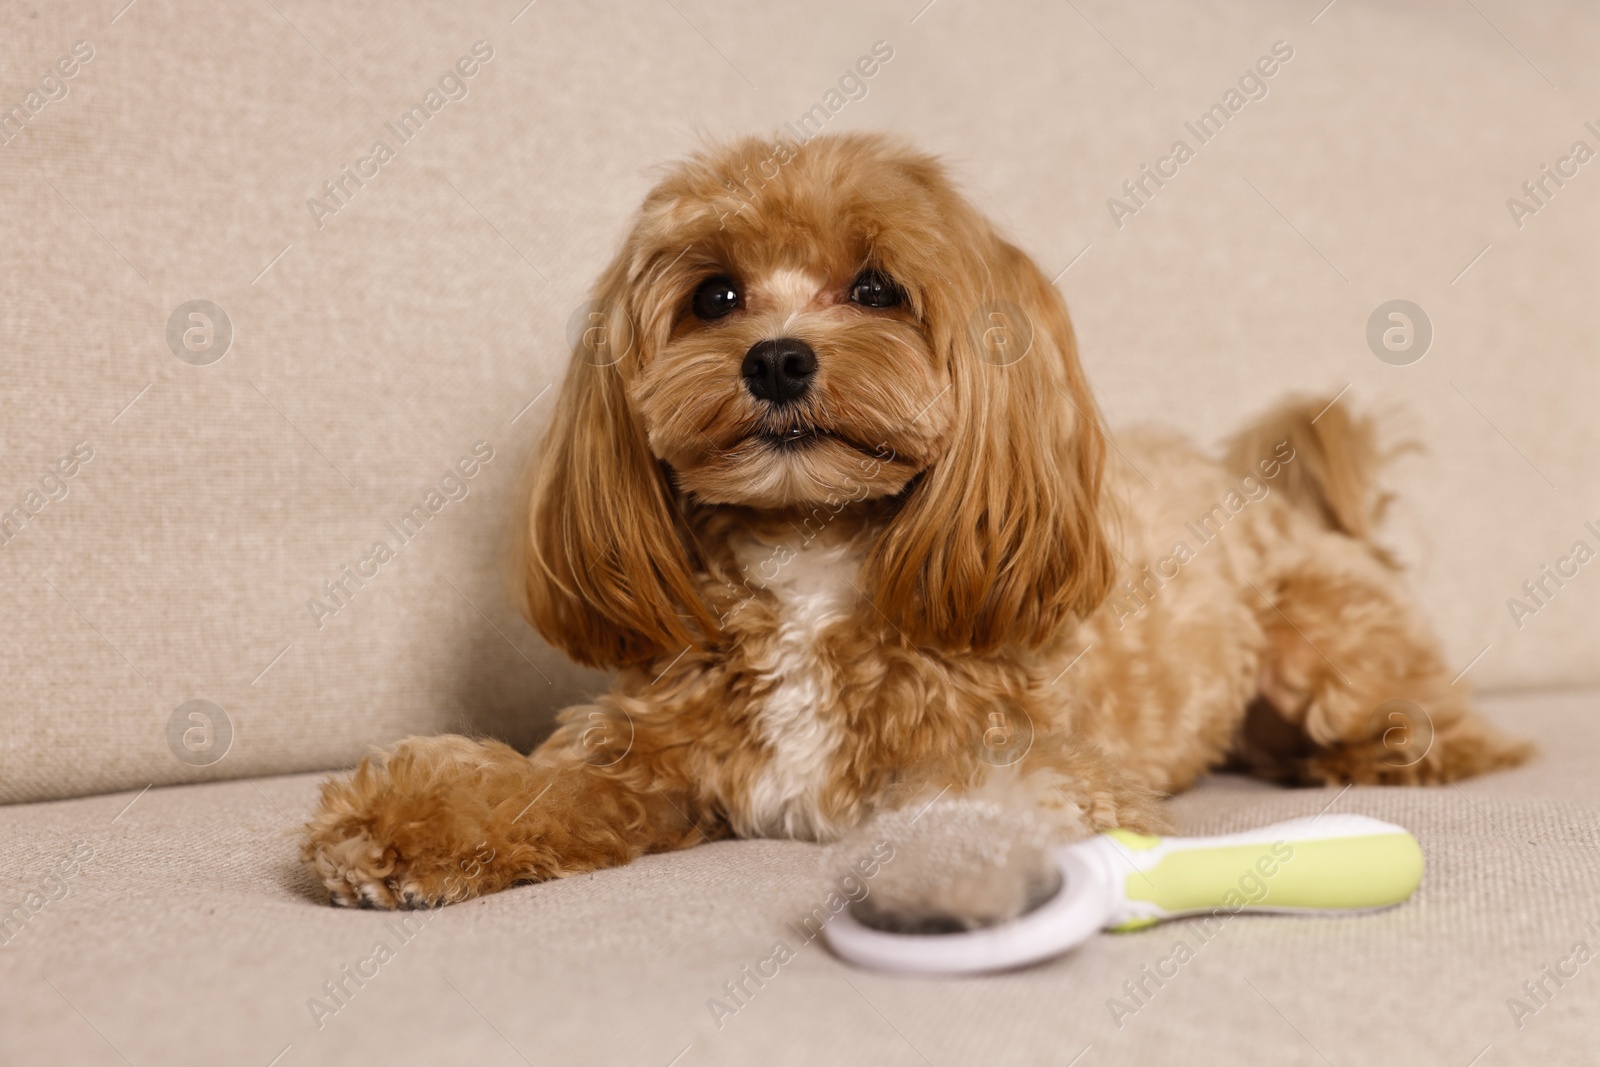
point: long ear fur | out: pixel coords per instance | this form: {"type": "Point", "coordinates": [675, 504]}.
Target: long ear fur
{"type": "Point", "coordinates": [609, 573]}
{"type": "Point", "coordinates": [1000, 541]}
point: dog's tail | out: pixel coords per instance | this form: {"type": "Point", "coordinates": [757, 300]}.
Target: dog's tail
{"type": "Point", "coordinates": [1335, 465]}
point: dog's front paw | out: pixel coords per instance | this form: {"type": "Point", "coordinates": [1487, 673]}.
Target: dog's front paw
{"type": "Point", "coordinates": [412, 828]}
{"type": "Point", "coordinates": [362, 870]}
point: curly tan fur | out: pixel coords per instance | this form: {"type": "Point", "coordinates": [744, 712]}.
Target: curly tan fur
{"type": "Point", "coordinates": [926, 571]}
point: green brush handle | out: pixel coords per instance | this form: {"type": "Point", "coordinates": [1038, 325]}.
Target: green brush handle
{"type": "Point", "coordinates": [1327, 864]}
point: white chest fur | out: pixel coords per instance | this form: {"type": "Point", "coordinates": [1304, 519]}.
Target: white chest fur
{"type": "Point", "coordinates": [813, 588]}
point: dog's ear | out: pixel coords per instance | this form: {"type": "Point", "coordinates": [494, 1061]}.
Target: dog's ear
{"type": "Point", "coordinates": [1000, 540]}
{"type": "Point", "coordinates": [607, 560]}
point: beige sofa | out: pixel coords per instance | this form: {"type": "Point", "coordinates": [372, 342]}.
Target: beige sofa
{"type": "Point", "coordinates": [242, 345]}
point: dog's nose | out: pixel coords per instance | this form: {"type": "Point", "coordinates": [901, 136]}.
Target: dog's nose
{"type": "Point", "coordinates": [779, 370]}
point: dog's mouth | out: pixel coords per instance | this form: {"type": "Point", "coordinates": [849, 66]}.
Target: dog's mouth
{"type": "Point", "coordinates": [792, 460]}
{"type": "Point", "coordinates": [806, 437]}
{"type": "Point", "coordinates": [793, 439]}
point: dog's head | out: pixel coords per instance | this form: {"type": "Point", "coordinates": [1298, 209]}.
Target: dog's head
{"type": "Point", "coordinates": [792, 326]}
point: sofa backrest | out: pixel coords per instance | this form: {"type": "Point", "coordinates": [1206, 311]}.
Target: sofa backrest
{"type": "Point", "coordinates": [277, 292]}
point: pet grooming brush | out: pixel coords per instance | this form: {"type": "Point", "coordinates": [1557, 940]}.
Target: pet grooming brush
{"type": "Point", "coordinates": [1120, 881]}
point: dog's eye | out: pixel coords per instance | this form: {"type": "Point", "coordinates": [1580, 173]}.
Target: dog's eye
{"type": "Point", "coordinates": [715, 298]}
{"type": "Point", "coordinates": [874, 289]}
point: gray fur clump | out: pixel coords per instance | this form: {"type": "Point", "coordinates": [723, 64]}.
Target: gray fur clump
{"type": "Point", "coordinates": [960, 863]}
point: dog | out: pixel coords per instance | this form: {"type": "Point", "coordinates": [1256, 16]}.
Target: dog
{"type": "Point", "coordinates": [827, 487]}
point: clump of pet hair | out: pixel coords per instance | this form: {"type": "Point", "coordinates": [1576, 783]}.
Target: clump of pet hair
{"type": "Point", "coordinates": [961, 862]}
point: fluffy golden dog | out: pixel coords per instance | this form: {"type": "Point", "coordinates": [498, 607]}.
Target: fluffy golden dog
{"type": "Point", "coordinates": [831, 493]}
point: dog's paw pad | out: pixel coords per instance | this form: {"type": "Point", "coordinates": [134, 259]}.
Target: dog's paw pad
{"type": "Point", "coordinates": [375, 895]}
{"type": "Point", "coordinates": [412, 898]}
{"type": "Point", "coordinates": [355, 870]}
